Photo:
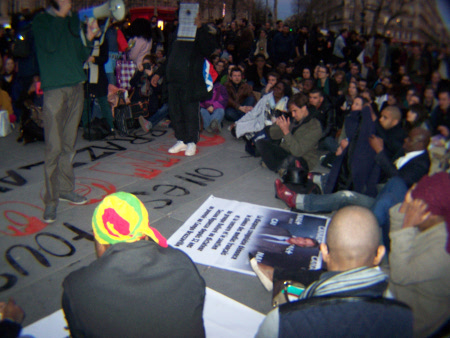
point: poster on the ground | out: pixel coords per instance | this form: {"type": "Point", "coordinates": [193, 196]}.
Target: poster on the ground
{"type": "Point", "coordinates": [222, 233]}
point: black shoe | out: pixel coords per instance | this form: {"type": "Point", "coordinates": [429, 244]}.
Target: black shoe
{"type": "Point", "coordinates": [327, 160]}
{"type": "Point", "coordinates": [73, 198]}
{"type": "Point", "coordinates": [49, 214]}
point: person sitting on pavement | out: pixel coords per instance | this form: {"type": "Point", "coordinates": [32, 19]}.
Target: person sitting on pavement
{"type": "Point", "coordinates": [352, 254]}
{"type": "Point", "coordinates": [221, 69]}
{"type": "Point", "coordinates": [390, 129]}
{"type": "Point", "coordinates": [213, 110]}
{"type": "Point", "coordinates": [406, 169]}
{"type": "Point", "coordinates": [362, 174]}
{"type": "Point", "coordinates": [354, 167]}
{"type": "Point", "coordinates": [146, 92]}
{"type": "Point", "coordinates": [419, 260]}
{"type": "Point", "coordinates": [139, 286]}
{"type": "Point", "coordinates": [256, 73]}
{"type": "Point", "coordinates": [272, 79]}
{"type": "Point", "coordinates": [140, 82]}
{"type": "Point", "coordinates": [333, 143]}
{"type": "Point", "coordinates": [440, 116]}
{"type": "Point", "coordinates": [354, 72]}
{"type": "Point", "coordinates": [344, 104]}
{"type": "Point", "coordinates": [429, 100]}
{"type": "Point", "coordinates": [328, 86]}
{"type": "Point", "coordinates": [299, 138]}
{"type": "Point", "coordinates": [158, 99]}
{"type": "Point", "coordinates": [410, 168]}
{"type": "Point", "coordinates": [240, 96]}
{"type": "Point", "coordinates": [323, 111]}
{"type": "Point", "coordinates": [417, 116]}
{"type": "Point", "coordinates": [264, 114]}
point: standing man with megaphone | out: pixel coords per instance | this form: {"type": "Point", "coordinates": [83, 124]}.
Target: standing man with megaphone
{"type": "Point", "coordinates": [61, 54]}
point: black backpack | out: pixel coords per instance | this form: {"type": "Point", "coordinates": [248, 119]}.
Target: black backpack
{"type": "Point", "coordinates": [99, 129]}
{"type": "Point", "coordinates": [126, 115]}
{"type": "Point", "coordinates": [31, 129]}
{"type": "Point", "coordinates": [296, 179]}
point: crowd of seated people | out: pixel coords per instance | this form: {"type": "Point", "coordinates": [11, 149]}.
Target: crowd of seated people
{"type": "Point", "coordinates": [370, 105]}
{"type": "Point", "coordinates": [377, 115]}
{"type": "Point", "coordinates": [384, 71]}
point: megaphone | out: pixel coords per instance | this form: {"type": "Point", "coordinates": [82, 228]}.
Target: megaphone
{"type": "Point", "coordinates": [114, 8]}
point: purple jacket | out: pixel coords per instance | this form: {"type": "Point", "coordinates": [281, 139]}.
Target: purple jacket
{"type": "Point", "coordinates": [219, 98]}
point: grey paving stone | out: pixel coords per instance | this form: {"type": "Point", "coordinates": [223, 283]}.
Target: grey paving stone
{"type": "Point", "coordinates": [140, 165]}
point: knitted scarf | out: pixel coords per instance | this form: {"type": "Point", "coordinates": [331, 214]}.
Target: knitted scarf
{"type": "Point", "coordinates": [355, 279]}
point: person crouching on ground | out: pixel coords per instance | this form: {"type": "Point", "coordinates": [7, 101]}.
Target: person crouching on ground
{"type": "Point", "coordinates": [139, 286]}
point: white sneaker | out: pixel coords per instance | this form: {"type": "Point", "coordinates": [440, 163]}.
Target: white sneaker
{"type": "Point", "coordinates": [191, 149]}
{"type": "Point", "coordinates": [177, 147]}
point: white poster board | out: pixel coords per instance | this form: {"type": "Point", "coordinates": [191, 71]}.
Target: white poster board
{"type": "Point", "coordinates": [222, 233]}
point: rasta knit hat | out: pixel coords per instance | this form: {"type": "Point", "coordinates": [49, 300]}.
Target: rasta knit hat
{"type": "Point", "coordinates": [121, 217]}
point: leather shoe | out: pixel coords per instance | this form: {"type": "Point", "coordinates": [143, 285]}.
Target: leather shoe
{"type": "Point", "coordinates": [285, 194]}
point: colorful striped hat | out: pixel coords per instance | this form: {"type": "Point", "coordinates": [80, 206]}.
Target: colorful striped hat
{"type": "Point", "coordinates": [121, 217]}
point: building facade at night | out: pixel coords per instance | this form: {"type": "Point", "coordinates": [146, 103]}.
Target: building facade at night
{"type": "Point", "coordinates": [210, 9]}
{"type": "Point", "coordinates": [402, 20]}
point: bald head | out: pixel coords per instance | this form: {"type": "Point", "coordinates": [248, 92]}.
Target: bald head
{"type": "Point", "coordinates": [395, 112]}
{"type": "Point", "coordinates": [390, 117]}
{"type": "Point", "coordinates": [353, 239]}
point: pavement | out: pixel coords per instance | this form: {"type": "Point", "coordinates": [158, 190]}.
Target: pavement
{"type": "Point", "coordinates": [36, 257]}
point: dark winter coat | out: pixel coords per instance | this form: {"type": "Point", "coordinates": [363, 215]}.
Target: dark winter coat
{"type": "Point", "coordinates": [364, 171]}
{"type": "Point", "coordinates": [185, 63]}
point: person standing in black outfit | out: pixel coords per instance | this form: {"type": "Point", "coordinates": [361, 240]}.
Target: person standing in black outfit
{"type": "Point", "coordinates": [187, 87]}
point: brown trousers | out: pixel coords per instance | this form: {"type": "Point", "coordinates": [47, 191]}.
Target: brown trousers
{"type": "Point", "coordinates": [62, 112]}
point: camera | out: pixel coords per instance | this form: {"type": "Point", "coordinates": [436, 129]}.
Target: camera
{"type": "Point", "coordinates": [147, 65]}
{"type": "Point", "coordinates": [278, 113]}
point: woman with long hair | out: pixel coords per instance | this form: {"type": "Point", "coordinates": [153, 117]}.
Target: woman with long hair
{"type": "Point", "coordinates": [417, 116]}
